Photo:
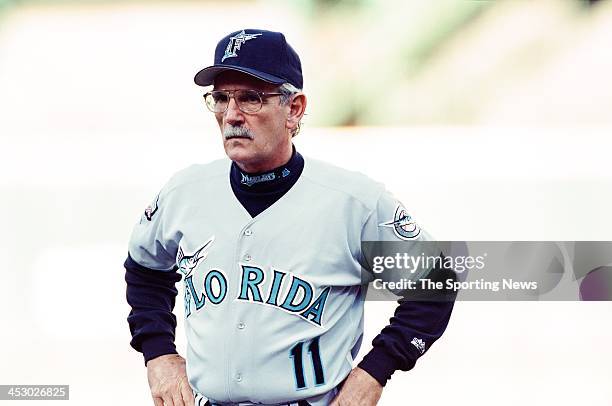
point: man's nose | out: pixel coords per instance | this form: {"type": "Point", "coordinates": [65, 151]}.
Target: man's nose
{"type": "Point", "coordinates": [233, 115]}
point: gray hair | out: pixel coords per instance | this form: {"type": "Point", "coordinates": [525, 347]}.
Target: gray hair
{"type": "Point", "coordinates": [288, 90]}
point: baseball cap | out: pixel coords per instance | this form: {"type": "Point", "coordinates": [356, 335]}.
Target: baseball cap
{"type": "Point", "coordinates": [263, 54]}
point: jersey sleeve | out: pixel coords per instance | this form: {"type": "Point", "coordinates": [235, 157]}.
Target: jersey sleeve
{"type": "Point", "coordinates": [415, 325]}
{"type": "Point", "coordinates": [390, 227]}
{"type": "Point", "coordinates": [390, 221]}
{"type": "Point", "coordinates": [151, 245]}
{"type": "Point", "coordinates": [150, 281]}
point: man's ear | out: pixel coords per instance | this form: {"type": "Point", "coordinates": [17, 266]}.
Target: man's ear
{"type": "Point", "coordinates": [297, 107]}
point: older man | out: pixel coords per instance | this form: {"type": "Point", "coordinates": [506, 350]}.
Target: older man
{"type": "Point", "coordinates": [268, 244]}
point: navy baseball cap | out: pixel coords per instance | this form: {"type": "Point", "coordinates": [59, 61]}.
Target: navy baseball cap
{"type": "Point", "coordinates": [263, 54]}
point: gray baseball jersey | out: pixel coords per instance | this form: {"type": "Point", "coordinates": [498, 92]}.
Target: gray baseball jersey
{"type": "Point", "coordinates": [273, 304]}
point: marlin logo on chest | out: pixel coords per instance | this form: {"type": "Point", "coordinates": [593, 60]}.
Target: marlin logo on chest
{"type": "Point", "coordinates": [187, 263]}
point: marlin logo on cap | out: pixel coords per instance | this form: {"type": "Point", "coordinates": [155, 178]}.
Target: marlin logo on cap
{"type": "Point", "coordinates": [235, 42]}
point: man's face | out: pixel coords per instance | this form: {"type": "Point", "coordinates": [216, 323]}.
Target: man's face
{"type": "Point", "coordinates": [259, 141]}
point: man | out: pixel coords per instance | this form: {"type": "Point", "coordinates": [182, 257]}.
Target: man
{"type": "Point", "coordinates": [268, 244]}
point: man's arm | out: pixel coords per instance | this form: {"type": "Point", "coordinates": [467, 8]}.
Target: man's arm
{"type": "Point", "coordinates": [168, 381]}
{"type": "Point", "coordinates": [398, 346]}
{"type": "Point", "coordinates": [393, 349]}
{"type": "Point", "coordinates": [359, 388]}
{"type": "Point", "coordinates": [151, 294]}
{"type": "Point", "coordinates": [415, 325]}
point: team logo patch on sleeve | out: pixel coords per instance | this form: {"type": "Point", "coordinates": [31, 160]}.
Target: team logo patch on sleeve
{"type": "Point", "coordinates": [151, 209]}
{"type": "Point", "coordinates": [403, 225]}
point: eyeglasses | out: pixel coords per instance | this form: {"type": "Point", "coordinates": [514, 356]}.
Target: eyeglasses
{"type": "Point", "coordinates": [248, 101]}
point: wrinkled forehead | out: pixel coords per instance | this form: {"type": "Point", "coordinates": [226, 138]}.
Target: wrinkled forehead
{"type": "Point", "coordinates": [231, 80]}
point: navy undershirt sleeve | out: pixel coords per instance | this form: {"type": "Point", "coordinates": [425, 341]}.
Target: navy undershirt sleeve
{"type": "Point", "coordinates": [393, 349]}
{"type": "Point", "coordinates": [151, 294]}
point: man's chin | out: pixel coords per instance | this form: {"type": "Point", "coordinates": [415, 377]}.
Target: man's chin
{"type": "Point", "coordinates": [236, 143]}
{"type": "Point", "coordinates": [236, 151]}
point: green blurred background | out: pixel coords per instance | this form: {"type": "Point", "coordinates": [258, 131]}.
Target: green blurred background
{"type": "Point", "coordinates": [412, 62]}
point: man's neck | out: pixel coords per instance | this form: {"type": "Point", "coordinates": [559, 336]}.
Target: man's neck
{"type": "Point", "coordinates": [269, 165]}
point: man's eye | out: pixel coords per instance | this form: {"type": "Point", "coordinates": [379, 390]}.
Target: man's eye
{"type": "Point", "coordinates": [249, 97]}
{"type": "Point", "coordinates": [220, 98]}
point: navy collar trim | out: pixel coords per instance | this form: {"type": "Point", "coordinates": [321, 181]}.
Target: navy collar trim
{"type": "Point", "coordinates": [268, 181]}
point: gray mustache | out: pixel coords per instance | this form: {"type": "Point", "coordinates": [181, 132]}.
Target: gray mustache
{"type": "Point", "coordinates": [237, 132]}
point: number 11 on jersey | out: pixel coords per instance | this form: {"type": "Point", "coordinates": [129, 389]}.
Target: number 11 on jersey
{"type": "Point", "coordinates": [298, 364]}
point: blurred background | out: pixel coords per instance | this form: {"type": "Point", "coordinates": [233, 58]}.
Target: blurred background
{"type": "Point", "coordinates": [490, 120]}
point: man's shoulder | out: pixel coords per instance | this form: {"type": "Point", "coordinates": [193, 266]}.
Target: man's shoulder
{"type": "Point", "coordinates": [198, 173]}
{"type": "Point", "coordinates": [348, 182]}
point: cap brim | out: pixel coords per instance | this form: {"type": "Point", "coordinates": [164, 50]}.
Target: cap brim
{"type": "Point", "coordinates": [206, 76]}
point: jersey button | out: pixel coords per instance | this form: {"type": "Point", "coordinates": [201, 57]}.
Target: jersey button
{"type": "Point", "coordinates": [238, 377]}
{"type": "Point", "coordinates": [248, 232]}
{"type": "Point", "coordinates": [247, 257]}
{"type": "Point", "coordinates": [241, 326]}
